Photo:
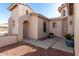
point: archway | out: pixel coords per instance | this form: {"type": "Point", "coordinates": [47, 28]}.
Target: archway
{"type": "Point", "coordinates": [25, 29]}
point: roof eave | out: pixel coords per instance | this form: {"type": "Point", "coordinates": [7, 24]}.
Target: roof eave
{"type": "Point", "coordinates": [11, 6]}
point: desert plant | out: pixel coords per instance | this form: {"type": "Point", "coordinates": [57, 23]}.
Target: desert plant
{"type": "Point", "coordinates": [69, 36]}
{"type": "Point", "coordinates": [69, 40]}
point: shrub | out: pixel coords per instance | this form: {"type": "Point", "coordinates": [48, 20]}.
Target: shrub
{"type": "Point", "coordinates": [69, 37]}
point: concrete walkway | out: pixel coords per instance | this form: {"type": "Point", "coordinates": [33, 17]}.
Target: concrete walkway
{"type": "Point", "coordinates": [55, 43]}
{"type": "Point", "coordinates": [43, 44]}
{"type": "Point", "coordinates": [60, 45]}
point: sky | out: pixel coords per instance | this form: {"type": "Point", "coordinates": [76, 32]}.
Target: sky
{"type": "Point", "coordinates": [47, 9]}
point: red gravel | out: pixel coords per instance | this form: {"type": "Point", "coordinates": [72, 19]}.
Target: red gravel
{"type": "Point", "coordinates": [24, 49]}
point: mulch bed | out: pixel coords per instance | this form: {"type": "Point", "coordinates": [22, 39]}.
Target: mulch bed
{"type": "Point", "coordinates": [33, 50]}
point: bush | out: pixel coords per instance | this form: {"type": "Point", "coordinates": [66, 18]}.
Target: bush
{"type": "Point", "coordinates": [69, 40]}
{"type": "Point", "coordinates": [69, 37]}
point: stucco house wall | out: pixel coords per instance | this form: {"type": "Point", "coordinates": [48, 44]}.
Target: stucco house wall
{"type": "Point", "coordinates": [42, 34]}
{"type": "Point", "coordinates": [14, 24]}
{"type": "Point", "coordinates": [76, 29]}
{"type": "Point", "coordinates": [13, 17]}
{"type": "Point", "coordinates": [71, 26]}
{"type": "Point", "coordinates": [35, 23]}
{"type": "Point", "coordinates": [18, 16]}
{"type": "Point", "coordinates": [22, 9]}
{"type": "Point", "coordinates": [33, 27]}
{"type": "Point", "coordinates": [70, 18]}
{"type": "Point", "coordinates": [58, 30]}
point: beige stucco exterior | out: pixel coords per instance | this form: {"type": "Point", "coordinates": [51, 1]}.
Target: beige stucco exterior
{"type": "Point", "coordinates": [71, 26]}
{"type": "Point", "coordinates": [18, 16]}
{"type": "Point", "coordinates": [63, 8]}
{"type": "Point", "coordinates": [31, 25]}
{"type": "Point", "coordinates": [58, 30]}
{"type": "Point", "coordinates": [42, 34]}
{"type": "Point", "coordinates": [76, 29]}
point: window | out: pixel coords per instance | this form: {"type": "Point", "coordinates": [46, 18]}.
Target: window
{"type": "Point", "coordinates": [44, 27]}
{"type": "Point", "coordinates": [54, 25]}
{"type": "Point", "coordinates": [64, 13]}
{"type": "Point", "coordinates": [26, 12]}
{"type": "Point", "coordinates": [70, 22]}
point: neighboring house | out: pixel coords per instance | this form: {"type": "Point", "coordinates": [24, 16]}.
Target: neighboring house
{"type": "Point", "coordinates": [3, 29]}
{"type": "Point", "coordinates": [27, 24]}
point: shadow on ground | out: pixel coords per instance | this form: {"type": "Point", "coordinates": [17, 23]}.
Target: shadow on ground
{"type": "Point", "coordinates": [24, 49]}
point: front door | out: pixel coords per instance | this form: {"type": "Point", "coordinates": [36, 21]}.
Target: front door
{"type": "Point", "coordinates": [25, 29]}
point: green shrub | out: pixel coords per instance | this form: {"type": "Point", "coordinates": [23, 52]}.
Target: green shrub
{"type": "Point", "coordinates": [69, 37]}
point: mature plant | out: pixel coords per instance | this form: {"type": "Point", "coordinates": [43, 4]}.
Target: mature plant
{"type": "Point", "coordinates": [69, 37]}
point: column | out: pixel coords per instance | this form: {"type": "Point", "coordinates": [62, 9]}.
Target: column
{"type": "Point", "coordinates": [76, 29]}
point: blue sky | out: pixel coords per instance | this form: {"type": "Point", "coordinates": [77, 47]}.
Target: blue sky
{"type": "Point", "coordinates": [48, 9]}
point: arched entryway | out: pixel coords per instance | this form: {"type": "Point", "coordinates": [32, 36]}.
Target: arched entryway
{"type": "Point", "coordinates": [25, 29]}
